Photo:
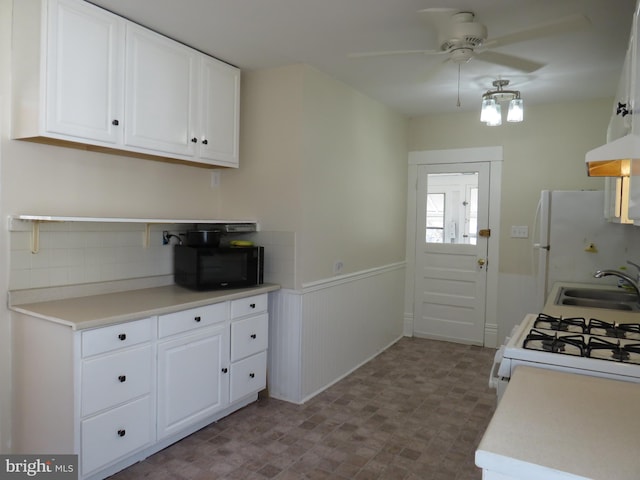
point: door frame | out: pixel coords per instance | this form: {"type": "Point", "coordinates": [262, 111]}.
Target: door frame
{"type": "Point", "coordinates": [494, 156]}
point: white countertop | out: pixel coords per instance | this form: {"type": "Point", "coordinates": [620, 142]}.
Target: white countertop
{"type": "Point", "coordinates": [558, 426]}
{"type": "Point", "coordinates": [100, 310]}
{"type": "Point", "coordinates": [619, 316]}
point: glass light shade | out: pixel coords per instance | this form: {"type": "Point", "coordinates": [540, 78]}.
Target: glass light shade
{"type": "Point", "coordinates": [488, 105]}
{"type": "Point", "coordinates": [494, 118]}
{"type": "Point", "coordinates": [516, 110]}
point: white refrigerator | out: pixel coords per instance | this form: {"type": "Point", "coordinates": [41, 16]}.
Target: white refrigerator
{"type": "Point", "coordinates": [573, 239]}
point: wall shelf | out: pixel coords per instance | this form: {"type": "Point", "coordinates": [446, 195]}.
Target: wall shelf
{"type": "Point", "coordinates": [36, 220]}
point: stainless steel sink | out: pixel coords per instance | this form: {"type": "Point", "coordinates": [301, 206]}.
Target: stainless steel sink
{"type": "Point", "coordinates": [598, 298]}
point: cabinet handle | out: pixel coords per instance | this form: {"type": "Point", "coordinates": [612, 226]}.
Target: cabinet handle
{"type": "Point", "coordinates": [253, 335]}
{"type": "Point", "coordinates": [252, 305]}
{"type": "Point", "coordinates": [252, 375]}
{"type": "Point", "coordinates": [197, 319]}
{"type": "Point", "coordinates": [194, 140]}
{"type": "Point", "coordinates": [225, 370]}
{"type": "Point", "coordinates": [122, 433]}
{"type": "Point", "coordinates": [205, 142]}
{"type": "Point", "coordinates": [115, 122]}
{"type": "Point", "coordinates": [122, 336]}
{"type": "Point", "coordinates": [622, 109]}
{"type": "Point", "coordinates": [122, 378]}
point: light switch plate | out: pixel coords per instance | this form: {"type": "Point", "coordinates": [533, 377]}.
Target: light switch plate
{"type": "Point", "coordinates": [519, 231]}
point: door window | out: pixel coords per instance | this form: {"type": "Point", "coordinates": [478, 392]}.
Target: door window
{"type": "Point", "coordinates": [452, 208]}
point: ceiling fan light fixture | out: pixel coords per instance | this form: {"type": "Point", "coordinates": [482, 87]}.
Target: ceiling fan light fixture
{"type": "Point", "coordinates": [491, 112]}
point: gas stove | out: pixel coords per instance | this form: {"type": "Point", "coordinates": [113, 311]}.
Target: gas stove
{"type": "Point", "coordinates": [578, 345]}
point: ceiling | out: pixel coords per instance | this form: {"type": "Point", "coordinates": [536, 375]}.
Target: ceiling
{"type": "Point", "coordinates": [256, 34]}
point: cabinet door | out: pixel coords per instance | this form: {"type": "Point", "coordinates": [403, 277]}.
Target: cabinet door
{"type": "Point", "coordinates": [84, 72]}
{"type": "Point", "coordinates": [191, 382]}
{"type": "Point", "coordinates": [220, 112]}
{"type": "Point", "coordinates": [160, 91]}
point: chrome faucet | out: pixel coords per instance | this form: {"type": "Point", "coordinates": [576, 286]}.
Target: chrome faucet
{"type": "Point", "coordinates": [627, 279]}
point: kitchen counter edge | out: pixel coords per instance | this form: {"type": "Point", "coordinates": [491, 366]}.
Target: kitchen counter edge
{"type": "Point", "coordinates": [101, 310]}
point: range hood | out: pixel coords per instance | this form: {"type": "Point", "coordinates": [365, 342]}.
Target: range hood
{"type": "Point", "coordinates": [614, 158]}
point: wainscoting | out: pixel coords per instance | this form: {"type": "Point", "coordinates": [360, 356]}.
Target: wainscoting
{"type": "Point", "coordinates": [328, 329]}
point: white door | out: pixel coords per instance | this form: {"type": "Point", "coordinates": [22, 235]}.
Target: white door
{"type": "Point", "coordinates": [451, 251]}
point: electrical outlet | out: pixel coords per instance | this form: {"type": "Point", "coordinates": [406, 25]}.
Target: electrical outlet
{"type": "Point", "coordinates": [519, 231]}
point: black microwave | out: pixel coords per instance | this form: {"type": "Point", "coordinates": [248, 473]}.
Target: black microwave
{"type": "Point", "coordinates": [211, 268]}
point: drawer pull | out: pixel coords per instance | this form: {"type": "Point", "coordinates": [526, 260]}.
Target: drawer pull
{"type": "Point", "coordinates": [122, 433]}
{"type": "Point", "coordinates": [252, 305]}
{"type": "Point", "coordinates": [197, 319]}
{"type": "Point", "coordinates": [122, 378]}
{"type": "Point", "coordinates": [122, 336]}
{"type": "Point", "coordinates": [253, 335]}
{"type": "Point", "coordinates": [225, 370]}
{"type": "Point", "coordinates": [252, 375]}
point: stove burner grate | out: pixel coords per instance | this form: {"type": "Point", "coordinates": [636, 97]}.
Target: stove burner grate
{"type": "Point", "coordinates": [572, 325]}
{"type": "Point", "coordinates": [612, 350]}
{"type": "Point", "coordinates": [565, 344]}
{"type": "Point", "coordinates": [614, 330]}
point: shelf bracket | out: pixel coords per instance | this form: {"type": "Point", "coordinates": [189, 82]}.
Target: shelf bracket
{"type": "Point", "coordinates": [147, 235]}
{"type": "Point", "coordinates": [35, 237]}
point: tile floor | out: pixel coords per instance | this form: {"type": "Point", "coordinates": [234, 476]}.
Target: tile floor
{"type": "Point", "coordinates": [416, 411]}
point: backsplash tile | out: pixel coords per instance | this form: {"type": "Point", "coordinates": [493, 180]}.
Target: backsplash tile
{"type": "Point", "coordinates": [73, 253]}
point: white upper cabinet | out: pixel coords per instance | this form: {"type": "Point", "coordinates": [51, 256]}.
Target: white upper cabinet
{"type": "Point", "coordinates": [73, 89]}
{"type": "Point", "coordinates": [160, 93]}
{"type": "Point", "coordinates": [219, 112]}
{"type": "Point", "coordinates": [84, 75]}
{"type": "Point", "coordinates": [621, 118]}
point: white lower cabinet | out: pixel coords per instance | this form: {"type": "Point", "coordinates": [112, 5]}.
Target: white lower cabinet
{"type": "Point", "coordinates": [249, 342]}
{"type": "Point", "coordinates": [248, 376]}
{"type": "Point", "coordinates": [116, 433]}
{"type": "Point", "coordinates": [122, 392]}
{"type": "Point", "coordinates": [193, 379]}
{"type": "Point", "coordinates": [116, 397]}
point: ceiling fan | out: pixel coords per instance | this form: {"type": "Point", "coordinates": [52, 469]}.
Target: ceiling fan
{"type": "Point", "coordinates": [461, 38]}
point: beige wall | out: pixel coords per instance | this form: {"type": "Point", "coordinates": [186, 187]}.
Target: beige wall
{"type": "Point", "coordinates": [545, 152]}
{"type": "Point", "coordinates": [324, 161]}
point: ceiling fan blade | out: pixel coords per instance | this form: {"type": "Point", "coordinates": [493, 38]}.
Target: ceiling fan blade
{"type": "Point", "coordinates": [510, 61]}
{"type": "Point", "coordinates": [554, 27]}
{"type": "Point", "coordinates": [394, 52]}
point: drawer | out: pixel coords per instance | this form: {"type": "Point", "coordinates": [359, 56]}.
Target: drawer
{"type": "Point", "coordinates": [249, 305]}
{"type": "Point", "coordinates": [116, 433]}
{"type": "Point", "coordinates": [191, 319]}
{"type": "Point", "coordinates": [107, 339]}
{"type": "Point", "coordinates": [248, 376]}
{"type": "Point", "coordinates": [249, 336]}
{"type": "Point", "coordinates": [115, 378]}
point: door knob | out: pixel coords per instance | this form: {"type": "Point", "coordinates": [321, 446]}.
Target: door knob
{"type": "Point", "coordinates": [481, 263]}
